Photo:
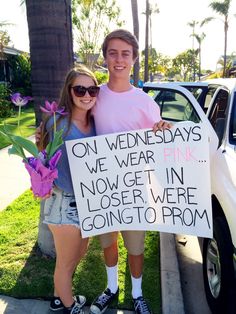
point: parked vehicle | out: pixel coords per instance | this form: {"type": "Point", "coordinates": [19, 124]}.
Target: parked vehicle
{"type": "Point", "coordinates": [181, 101]}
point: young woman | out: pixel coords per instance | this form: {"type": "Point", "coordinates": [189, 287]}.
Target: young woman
{"type": "Point", "coordinates": [78, 96]}
{"type": "Point", "coordinates": [122, 107]}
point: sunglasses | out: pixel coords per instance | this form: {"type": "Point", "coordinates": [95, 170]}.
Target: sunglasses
{"type": "Point", "coordinates": [80, 91]}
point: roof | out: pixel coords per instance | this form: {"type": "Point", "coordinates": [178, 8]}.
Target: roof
{"type": "Point", "coordinates": [153, 84]}
{"type": "Point", "coordinates": [12, 51]}
{"type": "Point", "coordinates": [229, 83]}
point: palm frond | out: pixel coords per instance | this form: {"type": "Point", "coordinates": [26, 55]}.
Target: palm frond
{"type": "Point", "coordinates": [207, 20]}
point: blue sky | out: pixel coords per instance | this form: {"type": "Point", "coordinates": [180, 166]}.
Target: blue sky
{"type": "Point", "coordinates": [171, 34]}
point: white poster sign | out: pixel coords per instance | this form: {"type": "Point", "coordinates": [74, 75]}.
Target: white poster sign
{"type": "Point", "coordinates": [139, 180]}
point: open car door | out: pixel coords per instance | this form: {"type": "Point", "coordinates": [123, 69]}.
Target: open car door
{"type": "Point", "coordinates": [177, 104]}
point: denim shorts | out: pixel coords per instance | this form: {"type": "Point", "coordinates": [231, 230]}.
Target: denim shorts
{"type": "Point", "coordinates": [60, 209]}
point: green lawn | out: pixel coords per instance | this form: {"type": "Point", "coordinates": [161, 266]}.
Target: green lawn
{"type": "Point", "coordinates": [25, 273]}
{"type": "Point", "coordinates": [27, 125]}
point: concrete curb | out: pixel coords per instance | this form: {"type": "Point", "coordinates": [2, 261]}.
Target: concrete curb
{"type": "Point", "coordinates": [172, 297]}
{"type": "Point", "coordinates": [9, 305]}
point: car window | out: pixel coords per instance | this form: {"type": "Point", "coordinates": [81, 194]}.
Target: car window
{"type": "Point", "coordinates": [209, 96]}
{"type": "Point", "coordinates": [218, 108]}
{"type": "Point", "coordinates": [200, 93]}
{"type": "Point", "coordinates": [196, 91]}
{"type": "Point", "coordinates": [174, 105]}
{"type": "Point", "coordinates": [217, 114]}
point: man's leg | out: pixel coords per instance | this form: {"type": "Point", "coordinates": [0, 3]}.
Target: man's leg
{"type": "Point", "coordinates": [136, 271]}
{"type": "Point", "coordinates": [111, 263]}
{"type": "Point", "coordinates": [134, 243]}
{"type": "Point", "coordinates": [110, 250]}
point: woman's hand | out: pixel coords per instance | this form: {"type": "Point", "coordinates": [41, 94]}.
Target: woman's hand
{"type": "Point", "coordinates": [42, 198]}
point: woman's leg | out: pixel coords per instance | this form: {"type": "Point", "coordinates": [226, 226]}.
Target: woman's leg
{"type": "Point", "coordinates": [70, 248]}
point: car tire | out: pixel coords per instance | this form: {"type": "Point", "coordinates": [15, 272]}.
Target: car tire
{"type": "Point", "coordinates": [218, 271]}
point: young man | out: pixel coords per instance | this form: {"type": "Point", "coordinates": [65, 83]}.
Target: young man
{"type": "Point", "coordinates": [121, 107]}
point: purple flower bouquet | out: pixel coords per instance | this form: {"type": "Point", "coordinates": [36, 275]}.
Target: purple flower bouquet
{"type": "Point", "coordinates": [41, 175]}
{"type": "Point", "coordinates": [42, 165]}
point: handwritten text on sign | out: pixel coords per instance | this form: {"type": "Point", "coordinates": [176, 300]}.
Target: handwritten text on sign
{"type": "Point", "coordinates": [139, 180]}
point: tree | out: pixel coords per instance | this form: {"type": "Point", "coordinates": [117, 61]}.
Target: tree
{"type": "Point", "coordinates": [92, 20]}
{"type": "Point", "coordinates": [4, 37]}
{"type": "Point", "coordinates": [134, 6]}
{"type": "Point", "coordinates": [157, 63]}
{"type": "Point", "coordinates": [183, 64]}
{"type": "Point", "coordinates": [222, 8]}
{"type": "Point", "coordinates": [20, 73]}
{"type": "Point", "coordinates": [193, 25]}
{"type": "Point", "coordinates": [153, 9]}
{"type": "Point", "coordinates": [199, 39]}
{"type": "Point", "coordinates": [230, 59]}
{"type": "Point", "coordinates": [146, 51]}
{"type": "Point", "coordinates": [150, 10]}
{"type": "Point", "coordinates": [231, 65]}
{"type": "Point", "coordinates": [51, 52]}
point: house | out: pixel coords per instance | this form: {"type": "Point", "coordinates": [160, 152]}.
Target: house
{"type": "Point", "coordinates": [5, 70]}
{"type": "Point", "coordinates": [230, 65]}
{"type": "Point", "coordinates": [232, 70]}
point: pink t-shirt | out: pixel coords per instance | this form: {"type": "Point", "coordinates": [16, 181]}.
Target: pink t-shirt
{"type": "Point", "coordinates": [125, 111]}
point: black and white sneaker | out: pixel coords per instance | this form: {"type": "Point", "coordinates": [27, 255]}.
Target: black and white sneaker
{"type": "Point", "coordinates": [57, 305]}
{"type": "Point", "coordinates": [140, 306]}
{"type": "Point", "coordinates": [74, 309]}
{"type": "Point", "coordinates": [101, 303]}
{"type": "Point", "coordinates": [80, 300]}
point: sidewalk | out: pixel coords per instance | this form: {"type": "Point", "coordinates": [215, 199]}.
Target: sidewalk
{"type": "Point", "coordinates": [14, 180]}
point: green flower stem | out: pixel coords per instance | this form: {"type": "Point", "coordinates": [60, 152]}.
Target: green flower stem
{"type": "Point", "coordinates": [18, 124]}
{"type": "Point", "coordinates": [54, 123]}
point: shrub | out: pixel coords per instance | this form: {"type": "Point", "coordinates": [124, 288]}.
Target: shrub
{"type": "Point", "coordinates": [101, 77]}
{"type": "Point", "coordinates": [21, 74]}
{"type": "Point", "coordinates": [6, 108]}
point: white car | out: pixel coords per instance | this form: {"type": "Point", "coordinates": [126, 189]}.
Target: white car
{"type": "Point", "coordinates": [181, 101]}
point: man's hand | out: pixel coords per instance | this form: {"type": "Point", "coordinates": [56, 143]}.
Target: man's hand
{"type": "Point", "coordinates": [161, 125]}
